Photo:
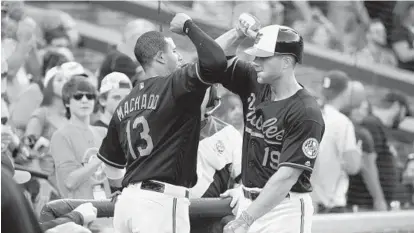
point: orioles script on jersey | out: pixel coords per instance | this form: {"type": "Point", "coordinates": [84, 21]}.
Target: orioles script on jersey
{"type": "Point", "coordinates": [141, 102]}
{"type": "Point", "coordinates": [269, 129]}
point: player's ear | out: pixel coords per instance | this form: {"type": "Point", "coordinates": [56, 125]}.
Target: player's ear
{"type": "Point", "coordinates": [160, 57]}
{"type": "Point", "coordinates": [287, 61]}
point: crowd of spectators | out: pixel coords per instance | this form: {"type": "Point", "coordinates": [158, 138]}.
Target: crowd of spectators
{"type": "Point", "coordinates": [55, 112]}
{"type": "Point", "coordinates": [368, 31]}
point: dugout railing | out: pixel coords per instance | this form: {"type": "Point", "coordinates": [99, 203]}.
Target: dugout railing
{"type": "Point", "coordinates": [368, 222]}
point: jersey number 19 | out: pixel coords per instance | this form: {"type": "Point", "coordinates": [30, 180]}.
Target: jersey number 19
{"type": "Point", "coordinates": [143, 150]}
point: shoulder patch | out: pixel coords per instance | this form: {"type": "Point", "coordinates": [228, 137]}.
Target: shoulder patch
{"type": "Point", "coordinates": [310, 148]}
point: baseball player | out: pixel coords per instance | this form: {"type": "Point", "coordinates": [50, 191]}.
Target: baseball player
{"type": "Point", "coordinates": [155, 130]}
{"type": "Point", "coordinates": [283, 129]}
{"type": "Point", "coordinates": [218, 160]}
{"type": "Point", "coordinates": [219, 153]}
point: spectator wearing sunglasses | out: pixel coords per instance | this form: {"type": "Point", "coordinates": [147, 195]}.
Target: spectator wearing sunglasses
{"type": "Point", "coordinates": [51, 115]}
{"type": "Point", "coordinates": [74, 146]}
{"type": "Point", "coordinates": [114, 87]}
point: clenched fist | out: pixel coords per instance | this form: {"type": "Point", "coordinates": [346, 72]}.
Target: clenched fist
{"type": "Point", "coordinates": [248, 25]}
{"type": "Point", "coordinates": [177, 23]}
{"type": "Point", "coordinates": [88, 211]}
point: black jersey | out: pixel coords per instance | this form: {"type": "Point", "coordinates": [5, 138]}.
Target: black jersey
{"type": "Point", "coordinates": [276, 133]}
{"type": "Point", "coordinates": [155, 130]}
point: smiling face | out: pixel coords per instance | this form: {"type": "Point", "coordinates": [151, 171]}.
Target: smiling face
{"type": "Point", "coordinates": [271, 69]}
{"type": "Point", "coordinates": [173, 58]}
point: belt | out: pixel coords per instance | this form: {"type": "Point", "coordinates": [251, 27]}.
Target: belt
{"type": "Point", "coordinates": [161, 187]}
{"type": "Point", "coordinates": [252, 195]}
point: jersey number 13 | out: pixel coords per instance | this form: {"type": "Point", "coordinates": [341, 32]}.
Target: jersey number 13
{"type": "Point", "coordinates": [143, 150]}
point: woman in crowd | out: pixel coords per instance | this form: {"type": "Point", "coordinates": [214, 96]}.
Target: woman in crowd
{"type": "Point", "coordinates": [44, 121]}
{"type": "Point", "coordinates": [32, 97]}
{"type": "Point", "coordinates": [74, 146]}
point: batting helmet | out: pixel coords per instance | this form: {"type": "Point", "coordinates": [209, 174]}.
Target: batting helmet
{"type": "Point", "coordinates": [276, 40]}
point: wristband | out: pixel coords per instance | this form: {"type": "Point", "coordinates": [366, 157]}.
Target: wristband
{"type": "Point", "coordinates": [247, 218]}
{"type": "Point", "coordinates": [187, 25]}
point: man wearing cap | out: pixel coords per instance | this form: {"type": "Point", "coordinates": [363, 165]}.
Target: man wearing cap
{"type": "Point", "coordinates": [283, 129]}
{"type": "Point", "coordinates": [366, 182]}
{"type": "Point", "coordinates": [392, 108]}
{"type": "Point", "coordinates": [218, 159]}
{"type": "Point", "coordinates": [339, 154]}
{"type": "Point", "coordinates": [114, 87]}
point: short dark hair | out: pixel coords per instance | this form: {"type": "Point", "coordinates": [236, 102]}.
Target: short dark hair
{"type": "Point", "coordinates": [148, 45]}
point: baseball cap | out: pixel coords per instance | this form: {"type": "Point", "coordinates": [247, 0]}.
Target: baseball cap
{"type": "Point", "coordinates": [334, 81]}
{"type": "Point", "coordinates": [392, 97]}
{"type": "Point", "coordinates": [20, 177]}
{"type": "Point", "coordinates": [115, 80]}
{"type": "Point", "coordinates": [68, 69]}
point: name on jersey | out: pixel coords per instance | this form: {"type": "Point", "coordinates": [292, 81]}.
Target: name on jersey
{"type": "Point", "coordinates": [142, 102]}
{"type": "Point", "coordinates": [268, 128]}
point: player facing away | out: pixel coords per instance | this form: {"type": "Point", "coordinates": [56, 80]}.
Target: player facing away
{"type": "Point", "coordinates": [154, 132]}
{"type": "Point", "coordinates": [283, 129]}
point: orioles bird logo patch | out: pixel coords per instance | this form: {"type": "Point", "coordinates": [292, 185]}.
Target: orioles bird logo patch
{"type": "Point", "coordinates": [220, 147]}
{"type": "Point", "coordinates": [310, 148]}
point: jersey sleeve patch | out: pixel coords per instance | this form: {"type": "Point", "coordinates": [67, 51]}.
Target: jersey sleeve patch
{"type": "Point", "coordinates": [310, 148]}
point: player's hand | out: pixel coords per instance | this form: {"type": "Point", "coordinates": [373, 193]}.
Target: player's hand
{"type": "Point", "coordinates": [69, 227]}
{"type": "Point", "coordinates": [235, 195]}
{"type": "Point", "coordinates": [380, 205]}
{"type": "Point", "coordinates": [236, 226]}
{"type": "Point", "coordinates": [177, 23]}
{"type": "Point", "coordinates": [247, 25]}
{"type": "Point", "coordinates": [88, 211]}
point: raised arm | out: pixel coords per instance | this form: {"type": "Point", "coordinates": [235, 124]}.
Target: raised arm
{"type": "Point", "coordinates": [230, 41]}
{"type": "Point", "coordinates": [211, 58]}
{"type": "Point", "coordinates": [246, 28]}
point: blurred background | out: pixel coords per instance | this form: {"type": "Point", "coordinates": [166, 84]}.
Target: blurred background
{"type": "Point", "coordinates": [372, 42]}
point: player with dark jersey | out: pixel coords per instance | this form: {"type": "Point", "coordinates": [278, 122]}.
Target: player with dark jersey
{"type": "Point", "coordinates": [283, 129]}
{"type": "Point", "coordinates": [155, 131]}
